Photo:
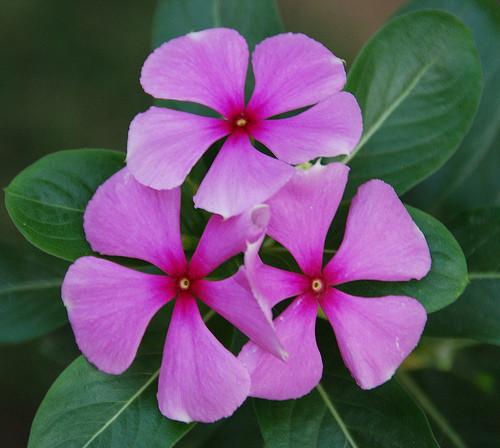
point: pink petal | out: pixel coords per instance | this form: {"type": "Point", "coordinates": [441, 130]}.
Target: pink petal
{"type": "Point", "coordinates": [240, 178]}
{"type": "Point", "coordinates": [293, 71]}
{"type": "Point", "coordinates": [199, 379]}
{"type": "Point", "coordinates": [301, 212]}
{"type": "Point", "coordinates": [127, 219]}
{"type": "Point", "coordinates": [224, 238]}
{"type": "Point", "coordinates": [381, 241]}
{"type": "Point", "coordinates": [375, 335]}
{"type": "Point", "coordinates": [109, 307]}
{"type": "Point", "coordinates": [271, 285]}
{"type": "Point", "coordinates": [207, 67]}
{"type": "Point", "coordinates": [274, 379]}
{"type": "Point", "coordinates": [232, 298]}
{"type": "Point", "coordinates": [164, 144]}
{"type": "Point", "coordinates": [329, 128]}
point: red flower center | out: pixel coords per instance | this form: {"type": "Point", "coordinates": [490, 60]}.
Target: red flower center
{"type": "Point", "coordinates": [184, 284]}
{"type": "Point", "coordinates": [317, 285]}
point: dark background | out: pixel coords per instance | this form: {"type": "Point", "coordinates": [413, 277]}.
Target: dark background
{"type": "Point", "coordinates": [69, 78]}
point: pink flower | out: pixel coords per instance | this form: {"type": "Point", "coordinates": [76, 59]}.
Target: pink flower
{"type": "Point", "coordinates": [209, 67]}
{"type": "Point", "coordinates": [381, 242]}
{"type": "Point", "coordinates": [110, 306]}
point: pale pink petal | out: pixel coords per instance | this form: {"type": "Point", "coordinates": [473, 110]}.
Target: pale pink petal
{"type": "Point", "coordinates": [109, 307]}
{"type": "Point", "coordinates": [271, 285]}
{"type": "Point", "coordinates": [232, 298]}
{"type": "Point", "coordinates": [374, 335]}
{"type": "Point", "coordinates": [240, 178]}
{"type": "Point", "coordinates": [164, 144]}
{"type": "Point", "coordinates": [274, 379]}
{"type": "Point", "coordinates": [127, 219]}
{"type": "Point", "coordinates": [301, 212]}
{"type": "Point", "coordinates": [293, 71]}
{"type": "Point", "coordinates": [381, 241]}
{"type": "Point", "coordinates": [329, 128]}
{"type": "Point", "coordinates": [199, 379]}
{"type": "Point", "coordinates": [207, 67]}
{"type": "Point", "coordinates": [224, 238]}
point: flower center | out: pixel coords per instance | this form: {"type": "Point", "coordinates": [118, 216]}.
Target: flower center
{"type": "Point", "coordinates": [317, 285]}
{"type": "Point", "coordinates": [241, 122]}
{"type": "Point", "coordinates": [184, 284]}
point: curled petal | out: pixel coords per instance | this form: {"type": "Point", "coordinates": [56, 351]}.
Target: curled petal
{"type": "Point", "coordinates": [199, 379]}
{"type": "Point", "coordinates": [374, 335]}
{"type": "Point", "coordinates": [109, 307]}
{"type": "Point", "coordinates": [207, 67]}
{"type": "Point", "coordinates": [381, 241]}
{"type": "Point", "coordinates": [127, 219]}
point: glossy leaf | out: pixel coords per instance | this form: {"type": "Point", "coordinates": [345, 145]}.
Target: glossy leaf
{"type": "Point", "coordinates": [46, 201]}
{"type": "Point", "coordinates": [339, 413]}
{"type": "Point", "coordinates": [85, 407]}
{"type": "Point", "coordinates": [476, 314]}
{"type": "Point", "coordinates": [30, 298]}
{"type": "Point", "coordinates": [410, 80]}
{"type": "Point", "coordinates": [442, 285]}
{"type": "Point", "coordinates": [459, 184]}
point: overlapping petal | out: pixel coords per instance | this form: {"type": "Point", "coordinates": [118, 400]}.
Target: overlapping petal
{"type": "Point", "coordinates": [240, 178]}
{"type": "Point", "coordinates": [329, 128]}
{"type": "Point", "coordinates": [274, 379]}
{"type": "Point", "coordinates": [125, 218]}
{"type": "Point", "coordinates": [224, 238]}
{"type": "Point", "coordinates": [164, 144]}
{"type": "Point", "coordinates": [374, 335]}
{"type": "Point", "coordinates": [301, 212]}
{"type": "Point", "coordinates": [199, 379]}
{"type": "Point", "coordinates": [207, 67]}
{"type": "Point", "coordinates": [109, 307]}
{"type": "Point", "coordinates": [232, 298]}
{"type": "Point", "coordinates": [381, 241]}
{"type": "Point", "coordinates": [293, 71]}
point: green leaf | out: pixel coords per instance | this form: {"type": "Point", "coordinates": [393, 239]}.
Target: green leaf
{"type": "Point", "coordinates": [340, 414]}
{"type": "Point", "coordinates": [418, 82]}
{"type": "Point", "coordinates": [459, 184]}
{"type": "Point", "coordinates": [444, 283]}
{"type": "Point", "coordinates": [46, 201]}
{"type": "Point", "coordinates": [255, 19]}
{"type": "Point", "coordinates": [88, 408]}
{"type": "Point", "coordinates": [30, 303]}
{"type": "Point", "coordinates": [476, 315]}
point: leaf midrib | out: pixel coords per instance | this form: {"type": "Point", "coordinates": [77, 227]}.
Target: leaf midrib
{"type": "Point", "coordinates": [32, 285]}
{"type": "Point", "coordinates": [39, 202]}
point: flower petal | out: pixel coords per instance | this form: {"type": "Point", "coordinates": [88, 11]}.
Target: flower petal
{"type": "Point", "coordinates": [199, 379]}
{"type": "Point", "coordinates": [164, 144]}
{"type": "Point", "coordinates": [293, 71]}
{"type": "Point", "coordinates": [381, 241]}
{"type": "Point", "coordinates": [207, 67]}
{"type": "Point", "coordinates": [240, 178]}
{"type": "Point", "coordinates": [224, 238]}
{"type": "Point", "coordinates": [232, 298]}
{"type": "Point", "coordinates": [127, 219]}
{"type": "Point", "coordinates": [274, 379]}
{"type": "Point", "coordinates": [271, 285]}
{"type": "Point", "coordinates": [301, 212]}
{"type": "Point", "coordinates": [329, 128]}
{"type": "Point", "coordinates": [109, 307]}
{"type": "Point", "coordinates": [375, 335]}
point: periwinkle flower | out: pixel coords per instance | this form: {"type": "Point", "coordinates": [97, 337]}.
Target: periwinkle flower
{"type": "Point", "coordinates": [381, 242]}
{"type": "Point", "coordinates": [209, 67]}
{"type": "Point", "coordinates": [110, 306]}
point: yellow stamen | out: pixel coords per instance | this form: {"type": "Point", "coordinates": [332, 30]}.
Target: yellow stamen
{"type": "Point", "coordinates": [241, 122]}
{"type": "Point", "coordinates": [317, 285]}
{"type": "Point", "coordinates": [184, 284]}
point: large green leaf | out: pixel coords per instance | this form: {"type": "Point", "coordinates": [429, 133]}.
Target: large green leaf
{"type": "Point", "coordinates": [339, 414]}
{"type": "Point", "coordinates": [476, 314]}
{"type": "Point", "coordinates": [88, 408]}
{"type": "Point", "coordinates": [47, 200]}
{"type": "Point", "coordinates": [30, 303]}
{"type": "Point", "coordinates": [255, 19]}
{"type": "Point", "coordinates": [446, 279]}
{"type": "Point", "coordinates": [418, 82]}
{"type": "Point", "coordinates": [459, 183]}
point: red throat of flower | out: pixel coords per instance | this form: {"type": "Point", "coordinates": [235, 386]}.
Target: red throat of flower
{"type": "Point", "coordinates": [317, 285]}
